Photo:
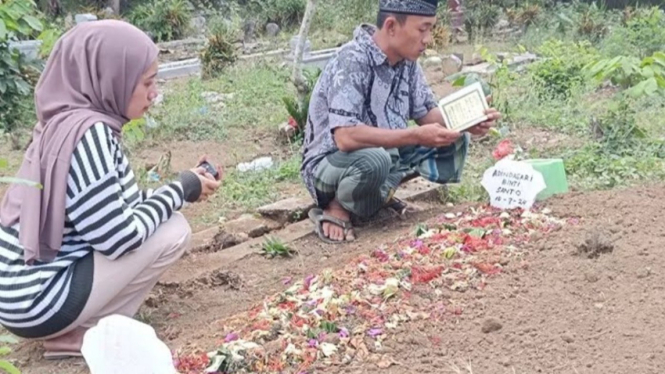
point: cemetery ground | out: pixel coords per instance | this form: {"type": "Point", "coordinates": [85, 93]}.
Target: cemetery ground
{"type": "Point", "coordinates": [574, 288]}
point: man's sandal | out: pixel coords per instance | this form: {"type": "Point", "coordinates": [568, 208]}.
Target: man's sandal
{"type": "Point", "coordinates": [400, 207]}
{"type": "Point", "coordinates": [317, 216]}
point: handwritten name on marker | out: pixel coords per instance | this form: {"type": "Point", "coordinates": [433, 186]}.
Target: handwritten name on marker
{"type": "Point", "coordinates": [512, 184]}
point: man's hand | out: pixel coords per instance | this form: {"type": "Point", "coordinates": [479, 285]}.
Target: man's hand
{"type": "Point", "coordinates": [434, 135]}
{"type": "Point", "coordinates": [492, 116]}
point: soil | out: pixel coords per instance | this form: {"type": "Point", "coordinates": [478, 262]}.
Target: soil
{"type": "Point", "coordinates": [589, 300]}
{"type": "Point", "coordinates": [564, 313]}
{"type": "Point", "coordinates": [555, 312]}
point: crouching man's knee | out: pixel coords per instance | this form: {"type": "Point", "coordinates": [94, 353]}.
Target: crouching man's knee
{"type": "Point", "coordinates": [374, 164]}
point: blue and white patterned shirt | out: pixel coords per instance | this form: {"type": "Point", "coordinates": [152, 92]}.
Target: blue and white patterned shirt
{"type": "Point", "coordinates": [359, 86]}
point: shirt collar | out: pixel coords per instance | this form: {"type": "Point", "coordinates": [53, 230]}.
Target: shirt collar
{"type": "Point", "coordinates": [363, 36]}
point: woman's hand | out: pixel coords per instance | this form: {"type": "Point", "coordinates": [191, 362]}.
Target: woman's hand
{"type": "Point", "coordinates": [209, 184]}
{"type": "Point", "coordinates": [220, 169]}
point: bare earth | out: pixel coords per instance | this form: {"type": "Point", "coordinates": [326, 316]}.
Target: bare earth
{"type": "Point", "coordinates": [555, 312]}
{"type": "Point", "coordinates": [558, 312]}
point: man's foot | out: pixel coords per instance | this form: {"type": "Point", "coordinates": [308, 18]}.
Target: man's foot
{"type": "Point", "coordinates": [68, 345]}
{"type": "Point", "coordinates": [333, 224]}
{"type": "Point", "coordinates": [333, 231]}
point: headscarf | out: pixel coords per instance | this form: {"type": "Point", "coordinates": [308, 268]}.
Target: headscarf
{"type": "Point", "coordinates": [89, 77]}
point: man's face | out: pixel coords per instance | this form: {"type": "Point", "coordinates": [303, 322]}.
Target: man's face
{"type": "Point", "coordinates": [411, 38]}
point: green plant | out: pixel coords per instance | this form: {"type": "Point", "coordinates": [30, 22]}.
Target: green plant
{"type": "Point", "coordinates": [3, 165]}
{"type": "Point", "coordinates": [525, 15]}
{"type": "Point", "coordinates": [591, 22]}
{"type": "Point", "coordinates": [286, 13]}
{"type": "Point", "coordinates": [299, 110]}
{"type": "Point", "coordinates": [479, 17]}
{"type": "Point", "coordinates": [219, 52]}
{"type": "Point", "coordinates": [621, 151]}
{"type": "Point", "coordinates": [274, 247]}
{"type": "Point", "coordinates": [48, 38]}
{"type": "Point", "coordinates": [6, 366]}
{"type": "Point", "coordinates": [639, 77]}
{"type": "Point", "coordinates": [560, 72]}
{"type": "Point", "coordinates": [642, 34]}
{"type": "Point", "coordinates": [133, 131]}
{"type": "Point", "coordinates": [163, 19]}
{"type": "Point", "coordinates": [18, 21]}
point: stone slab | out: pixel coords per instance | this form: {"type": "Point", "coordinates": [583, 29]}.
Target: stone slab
{"type": "Point", "coordinates": [250, 225]}
{"type": "Point", "coordinates": [198, 263]}
{"type": "Point", "coordinates": [288, 210]}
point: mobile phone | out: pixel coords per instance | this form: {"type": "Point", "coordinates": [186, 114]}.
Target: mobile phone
{"type": "Point", "coordinates": [210, 169]}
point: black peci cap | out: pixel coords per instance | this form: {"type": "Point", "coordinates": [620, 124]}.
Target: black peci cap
{"type": "Point", "coordinates": [411, 7]}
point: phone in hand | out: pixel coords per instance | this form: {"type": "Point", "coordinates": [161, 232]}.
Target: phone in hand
{"type": "Point", "coordinates": [210, 169]}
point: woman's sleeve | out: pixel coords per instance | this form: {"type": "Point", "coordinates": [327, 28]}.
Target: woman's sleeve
{"type": "Point", "coordinates": [96, 206]}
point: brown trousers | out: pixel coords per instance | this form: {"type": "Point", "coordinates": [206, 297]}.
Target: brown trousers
{"type": "Point", "coordinates": [120, 286]}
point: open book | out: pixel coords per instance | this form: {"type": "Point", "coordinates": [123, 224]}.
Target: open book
{"type": "Point", "coordinates": [464, 108]}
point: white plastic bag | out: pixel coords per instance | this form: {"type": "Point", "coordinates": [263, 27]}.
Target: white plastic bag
{"type": "Point", "coordinates": [122, 345]}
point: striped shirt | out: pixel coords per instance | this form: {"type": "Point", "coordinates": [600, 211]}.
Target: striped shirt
{"type": "Point", "coordinates": [105, 212]}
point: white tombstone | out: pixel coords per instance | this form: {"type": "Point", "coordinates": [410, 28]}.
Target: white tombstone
{"type": "Point", "coordinates": [87, 17]}
{"type": "Point", "coordinates": [307, 49]}
{"type": "Point", "coordinates": [512, 184]}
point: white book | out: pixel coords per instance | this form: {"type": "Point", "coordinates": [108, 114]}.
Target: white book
{"type": "Point", "coordinates": [464, 108]}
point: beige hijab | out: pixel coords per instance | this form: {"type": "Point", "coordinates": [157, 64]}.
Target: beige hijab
{"type": "Point", "coordinates": [89, 78]}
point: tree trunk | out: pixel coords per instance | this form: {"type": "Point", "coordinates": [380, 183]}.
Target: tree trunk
{"type": "Point", "coordinates": [298, 78]}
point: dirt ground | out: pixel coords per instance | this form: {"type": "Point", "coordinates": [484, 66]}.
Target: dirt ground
{"type": "Point", "coordinates": [563, 313]}
{"type": "Point", "coordinates": [589, 301]}
{"type": "Point", "coordinates": [595, 312]}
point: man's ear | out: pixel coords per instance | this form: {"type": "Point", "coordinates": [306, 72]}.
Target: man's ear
{"type": "Point", "coordinates": [390, 23]}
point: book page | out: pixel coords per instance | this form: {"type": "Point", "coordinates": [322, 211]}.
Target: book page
{"type": "Point", "coordinates": [464, 108]}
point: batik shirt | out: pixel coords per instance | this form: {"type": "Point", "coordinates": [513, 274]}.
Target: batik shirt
{"type": "Point", "coordinates": [359, 86]}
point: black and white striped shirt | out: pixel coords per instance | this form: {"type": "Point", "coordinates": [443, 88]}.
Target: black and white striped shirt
{"type": "Point", "coordinates": [105, 212]}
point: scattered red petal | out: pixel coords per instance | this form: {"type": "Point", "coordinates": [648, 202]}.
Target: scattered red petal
{"type": "Point", "coordinates": [191, 364]}
{"type": "Point", "coordinates": [425, 274]}
{"type": "Point", "coordinates": [487, 268]}
{"type": "Point", "coordinates": [503, 149]}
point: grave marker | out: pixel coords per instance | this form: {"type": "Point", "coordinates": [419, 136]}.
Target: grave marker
{"type": "Point", "coordinates": [512, 184]}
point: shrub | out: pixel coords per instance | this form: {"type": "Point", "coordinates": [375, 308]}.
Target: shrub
{"type": "Point", "coordinates": [640, 77]}
{"type": "Point", "coordinates": [299, 110]}
{"type": "Point", "coordinates": [48, 37]}
{"type": "Point", "coordinates": [163, 19]}
{"type": "Point", "coordinates": [480, 16]}
{"type": "Point", "coordinates": [18, 22]}
{"type": "Point", "coordinates": [592, 22]}
{"type": "Point", "coordinates": [219, 52]}
{"type": "Point", "coordinates": [286, 13]}
{"type": "Point", "coordinates": [561, 69]}
{"type": "Point", "coordinates": [622, 150]}
{"type": "Point", "coordinates": [525, 16]}
{"type": "Point", "coordinates": [642, 34]}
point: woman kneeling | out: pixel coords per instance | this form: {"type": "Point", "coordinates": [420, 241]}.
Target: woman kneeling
{"type": "Point", "coordinates": [89, 243]}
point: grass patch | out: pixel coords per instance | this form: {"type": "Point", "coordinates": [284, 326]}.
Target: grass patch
{"type": "Point", "coordinates": [243, 192]}
{"type": "Point", "coordinates": [247, 98]}
{"type": "Point", "coordinates": [274, 247]}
